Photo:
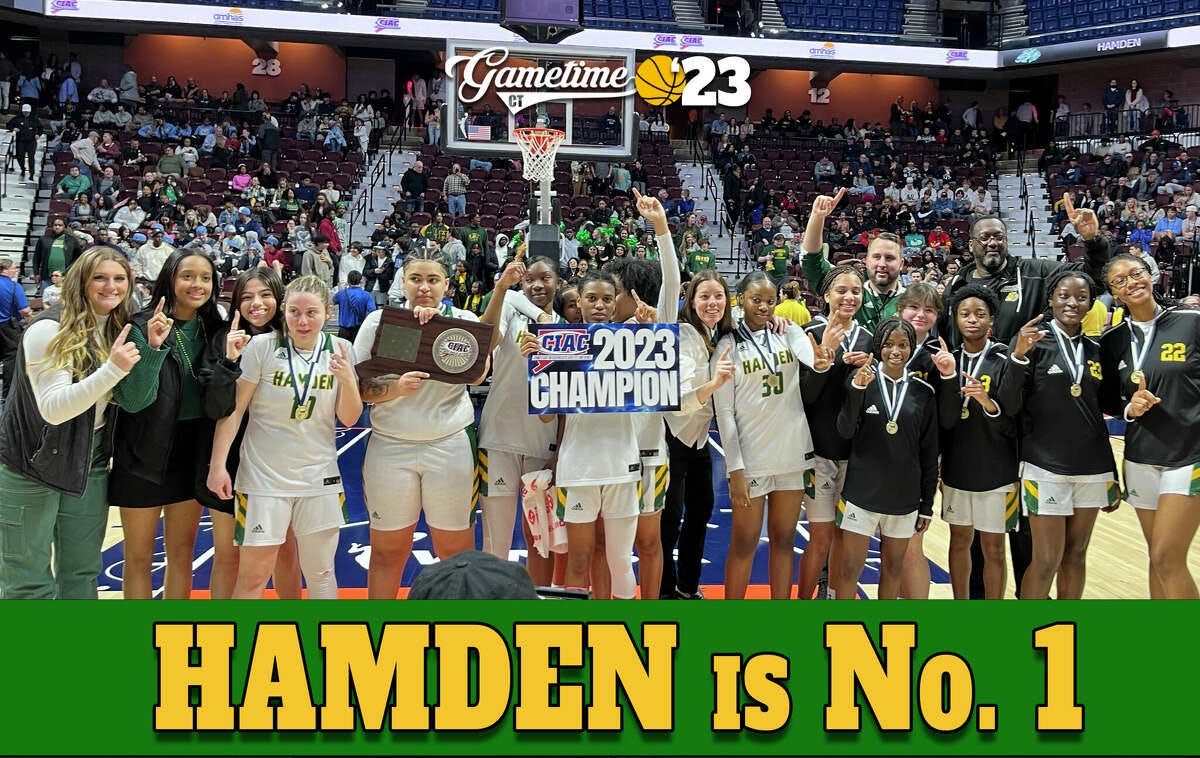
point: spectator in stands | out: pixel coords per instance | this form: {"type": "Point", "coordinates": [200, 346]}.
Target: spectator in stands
{"type": "Point", "coordinates": [1147, 186]}
{"type": "Point", "coordinates": [26, 128]}
{"type": "Point", "coordinates": [127, 88]}
{"type": "Point", "coordinates": [103, 93]}
{"type": "Point", "coordinates": [824, 170]}
{"type": "Point", "coordinates": [150, 257]}
{"type": "Point", "coordinates": [1170, 227]}
{"type": "Point", "coordinates": [1112, 99]}
{"type": "Point", "coordinates": [1136, 106]}
{"type": "Point", "coordinates": [74, 183]}
{"type": "Point", "coordinates": [1176, 178]}
{"type": "Point", "coordinates": [317, 260]}
{"type": "Point", "coordinates": [84, 152]}
{"type": "Point", "coordinates": [171, 164]}
{"type": "Point", "coordinates": [455, 189]}
{"type": "Point", "coordinates": [619, 179]}
{"type": "Point", "coordinates": [56, 250]}
{"type": "Point", "coordinates": [413, 184]}
{"type": "Point", "coordinates": [1070, 174]}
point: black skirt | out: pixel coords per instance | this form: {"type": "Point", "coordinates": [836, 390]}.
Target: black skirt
{"type": "Point", "coordinates": [186, 477]}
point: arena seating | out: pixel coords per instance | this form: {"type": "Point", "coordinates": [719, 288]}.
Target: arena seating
{"type": "Point", "coordinates": [500, 196]}
{"type": "Point", "coordinates": [861, 19]}
{"type": "Point", "coordinates": [1070, 20]}
{"type": "Point", "coordinates": [613, 14]}
{"type": "Point", "coordinates": [205, 185]}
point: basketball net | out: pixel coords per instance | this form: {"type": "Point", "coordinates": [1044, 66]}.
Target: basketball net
{"type": "Point", "coordinates": [539, 145]}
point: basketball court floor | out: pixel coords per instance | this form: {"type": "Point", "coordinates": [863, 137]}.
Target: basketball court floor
{"type": "Point", "coordinates": [1116, 559]}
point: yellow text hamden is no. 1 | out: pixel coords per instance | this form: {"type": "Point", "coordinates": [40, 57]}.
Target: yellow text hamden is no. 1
{"type": "Point", "coordinates": [383, 686]}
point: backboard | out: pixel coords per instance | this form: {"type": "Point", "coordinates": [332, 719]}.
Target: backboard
{"type": "Point", "coordinates": [494, 88]}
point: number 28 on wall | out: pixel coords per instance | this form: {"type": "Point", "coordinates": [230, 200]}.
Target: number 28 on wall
{"type": "Point", "coordinates": [265, 67]}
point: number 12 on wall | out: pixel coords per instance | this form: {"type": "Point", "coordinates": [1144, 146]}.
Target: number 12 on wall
{"type": "Point", "coordinates": [265, 67]}
{"type": "Point", "coordinates": [818, 95]}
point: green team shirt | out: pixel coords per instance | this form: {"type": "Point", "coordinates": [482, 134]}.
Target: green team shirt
{"type": "Point", "coordinates": [875, 307]}
{"type": "Point", "coordinates": [473, 235]}
{"type": "Point", "coordinates": [698, 260]}
{"type": "Point", "coordinates": [777, 264]}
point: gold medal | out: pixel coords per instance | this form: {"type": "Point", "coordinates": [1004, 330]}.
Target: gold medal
{"type": "Point", "coordinates": [892, 427]}
{"type": "Point", "coordinates": [1076, 389]}
{"type": "Point", "coordinates": [966, 413]}
{"type": "Point", "coordinates": [1137, 376]}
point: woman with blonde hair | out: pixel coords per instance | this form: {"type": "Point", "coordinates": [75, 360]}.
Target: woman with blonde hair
{"type": "Point", "coordinates": [56, 433]}
{"type": "Point", "coordinates": [293, 385]}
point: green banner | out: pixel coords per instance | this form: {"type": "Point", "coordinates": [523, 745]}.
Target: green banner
{"type": "Point", "coordinates": [599, 678]}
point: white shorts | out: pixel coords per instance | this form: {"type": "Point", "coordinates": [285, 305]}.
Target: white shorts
{"type": "Point", "coordinates": [401, 478]}
{"type": "Point", "coordinates": [654, 488]}
{"type": "Point", "coordinates": [584, 504]}
{"type": "Point", "coordinates": [500, 472]}
{"type": "Point", "coordinates": [995, 511]}
{"type": "Point", "coordinates": [829, 476]}
{"type": "Point", "coordinates": [1044, 493]}
{"type": "Point", "coordinates": [263, 520]}
{"type": "Point", "coordinates": [1144, 483]}
{"type": "Point", "coordinates": [761, 486]}
{"type": "Point", "coordinates": [851, 518]}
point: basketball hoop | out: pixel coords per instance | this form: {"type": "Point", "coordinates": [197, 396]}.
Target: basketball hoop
{"type": "Point", "coordinates": [538, 146]}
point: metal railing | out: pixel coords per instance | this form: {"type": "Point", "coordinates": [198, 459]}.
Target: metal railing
{"type": "Point", "coordinates": [1101, 123]}
{"type": "Point", "coordinates": [380, 169]}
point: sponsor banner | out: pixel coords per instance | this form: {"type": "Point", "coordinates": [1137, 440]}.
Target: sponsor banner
{"type": "Point", "coordinates": [341, 23]}
{"type": "Point", "coordinates": [536, 678]}
{"type": "Point", "coordinates": [1091, 48]}
{"type": "Point", "coordinates": [605, 368]}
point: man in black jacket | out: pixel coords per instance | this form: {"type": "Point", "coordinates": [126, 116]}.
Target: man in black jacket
{"type": "Point", "coordinates": [413, 184]}
{"type": "Point", "coordinates": [56, 240]}
{"type": "Point", "coordinates": [26, 128]}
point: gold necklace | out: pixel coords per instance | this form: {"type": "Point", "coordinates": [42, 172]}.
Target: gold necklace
{"type": "Point", "coordinates": [187, 359]}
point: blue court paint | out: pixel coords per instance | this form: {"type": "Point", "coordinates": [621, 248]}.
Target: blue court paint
{"type": "Point", "coordinates": [354, 549]}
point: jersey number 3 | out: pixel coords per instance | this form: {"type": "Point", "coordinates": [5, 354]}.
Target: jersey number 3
{"type": "Point", "coordinates": [1173, 352]}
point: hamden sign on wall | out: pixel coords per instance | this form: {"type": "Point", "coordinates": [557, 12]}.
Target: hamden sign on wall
{"type": "Point", "coordinates": [605, 368]}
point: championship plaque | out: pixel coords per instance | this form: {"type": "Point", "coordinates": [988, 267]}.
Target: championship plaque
{"type": "Point", "coordinates": [448, 349]}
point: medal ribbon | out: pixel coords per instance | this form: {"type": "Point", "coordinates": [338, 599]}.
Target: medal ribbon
{"type": "Point", "coordinates": [1138, 354]}
{"type": "Point", "coordinates": [893, 402]}
{"type": "Point", "coordinates": [971, 365]}
{"type": "Point", "coordinates": [748, 335]}
{"type": "Point", "coordinates": [1074, 356]}
{"type": "Point", "coordinates": [302, 399]}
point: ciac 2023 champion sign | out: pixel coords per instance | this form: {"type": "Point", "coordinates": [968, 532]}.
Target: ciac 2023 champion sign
{"type": "Point", "coordinates": [605, 368]}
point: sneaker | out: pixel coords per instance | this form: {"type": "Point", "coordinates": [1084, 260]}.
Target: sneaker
{"type": "Point", "coordinates": [697, 595]}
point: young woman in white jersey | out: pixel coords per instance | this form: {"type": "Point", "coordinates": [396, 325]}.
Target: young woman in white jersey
{"type": "Point", "coordinates": [689, 502]}
{"type": "Point", "coordinates": [296, 386]}
{"type": "Point", "coordinates": [598, 468]}
{"type": "Point", "coordinates": [513, 443]}
{"type": "Point", "coordinates": [420, 455]}
{"type": "Point", "coordinates": [256, 299]}
{"type": "Point", "coordinates": [768, 447]}
{"type": "Point", "coordinates": [658, 284]}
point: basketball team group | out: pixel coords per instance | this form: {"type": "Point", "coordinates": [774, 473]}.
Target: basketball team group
{"type": "Point", "coordinates": [986, 401]}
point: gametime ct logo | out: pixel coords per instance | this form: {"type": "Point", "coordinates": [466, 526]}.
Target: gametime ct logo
{"type": "Point", "coordinates": [660, 80]}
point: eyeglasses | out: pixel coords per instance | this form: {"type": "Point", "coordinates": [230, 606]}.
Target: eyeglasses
{"type": "Point", "coordinates": [1137, 275]}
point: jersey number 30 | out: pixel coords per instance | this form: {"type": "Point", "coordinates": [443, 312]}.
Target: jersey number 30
{"type": "Point", "coordinates": [772, 384]}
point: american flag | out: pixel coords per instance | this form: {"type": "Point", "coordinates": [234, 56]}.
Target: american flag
{"type": "Point", "coordinates": [479, 133]}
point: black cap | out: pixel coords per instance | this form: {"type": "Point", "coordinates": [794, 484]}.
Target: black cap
{"type": "Point", "coordinates": [473, 575]}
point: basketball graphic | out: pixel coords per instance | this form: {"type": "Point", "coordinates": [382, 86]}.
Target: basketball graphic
{"type": "Point", "coordinates": [658, 83]}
